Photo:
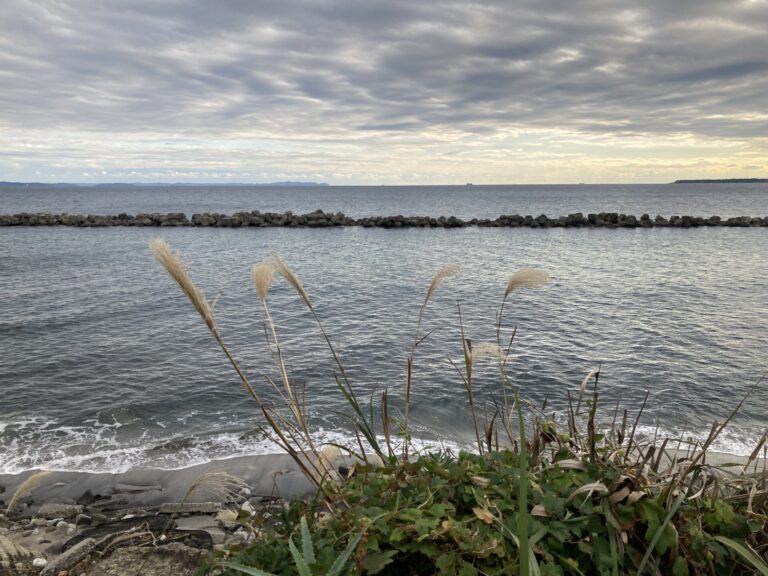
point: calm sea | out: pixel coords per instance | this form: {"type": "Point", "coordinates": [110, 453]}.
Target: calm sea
{"type": "Point", "coordinates": [104, 365]}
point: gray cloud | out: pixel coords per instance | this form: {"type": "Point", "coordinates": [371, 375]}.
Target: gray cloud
{"type": "Point", "coordinates": [346, 70]}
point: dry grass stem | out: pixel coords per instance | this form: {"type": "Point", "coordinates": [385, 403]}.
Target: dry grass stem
{"type": "Point", "coordinates": [442, 274]}
{"type": "Point", "coordinates": [285, 271]}
{"type": "Point", "coordinates": [263, 275]}
{"type": "Point", "coordinates": [25, 488]}
{"type": "Point", "coordinates": [175, 267]}
{"type": "Point", "coordinates": [592, 374]}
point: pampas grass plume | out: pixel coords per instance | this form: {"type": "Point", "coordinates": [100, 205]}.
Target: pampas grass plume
{"type": "Point", "coordinates": [592, 374]}
{"type": "Point", "coordinates": [25, 488]}
{"type": "Point", "coordinates": [172, 263]}
{"type": "Point", "coordinates": [263, 276]}
{"type": "Point", "coordinates": [483, 350]}
{"type": "Point", "coordinates": [444, 272]}
{"type": "Point", "coordinates": [526, 278]}
{"type": "Point", "coordinates": [329, 455]}
{"type": "Point", "coordinates": [285, 271]}
{"type": "Point", "coordinates": [220, 484]}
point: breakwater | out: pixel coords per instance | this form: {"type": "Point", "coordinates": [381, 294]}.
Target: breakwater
{"type": "Point", "coordinates": [320, 219]}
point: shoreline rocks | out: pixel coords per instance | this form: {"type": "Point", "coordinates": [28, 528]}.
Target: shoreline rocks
{"type": "Point", "coordinates": [320, 219]}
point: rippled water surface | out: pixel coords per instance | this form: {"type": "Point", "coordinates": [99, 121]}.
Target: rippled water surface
{"type": "Point", "coordinates": [104, 365]}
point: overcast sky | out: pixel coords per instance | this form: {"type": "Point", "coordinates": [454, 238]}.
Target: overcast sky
{"type": "Point", "coordinates": [395, 92]}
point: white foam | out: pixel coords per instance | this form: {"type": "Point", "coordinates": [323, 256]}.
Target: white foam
{"type": "Point", "coordinates": [43, 443]}
{"type": "Point", "coordinates": [735, 440]}
{"type": "Point", "coordinates": [96, 449]}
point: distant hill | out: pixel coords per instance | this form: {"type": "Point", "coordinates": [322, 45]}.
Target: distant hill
{"type": "Point", "coordinates": [148, 184]}
{"type": "Point", "coordinates": [35, 184]}
{"type": "Point", "coordinates": [203, 184]}
{"type": "Point", "coordinates": [725, 181]}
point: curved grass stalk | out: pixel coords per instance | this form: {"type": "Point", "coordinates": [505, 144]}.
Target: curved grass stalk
{"type": "Point", "coordinates": [467, 350]}
{"type": "Point", "coordinates": [444, 272]}
{"type": "Point", "coordinates": [746, 553]}
{"type": "Point", "coordinates": [175, 267]}
{"type": "Point", "coordinates": [25, 488]}
{"type": "Point", "coordinates": [525, 278]}
{"type": "Point", "coordinates": [344, 387]}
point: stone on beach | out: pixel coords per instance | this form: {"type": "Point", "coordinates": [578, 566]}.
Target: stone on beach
{"type": "Point", "coordinates": [190, 507]}
{"type": "Point", "coordinates": [54, 510]}
{"type": "Point", "coordinates": [69, 558]}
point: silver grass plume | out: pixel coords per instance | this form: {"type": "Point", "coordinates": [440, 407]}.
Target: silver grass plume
{"type": "Point", "coordinates": [444, 272]}
{"type": "Point", "coordinates": [327, 458]}
{"type": "Point", "coordinates": [483, 350]}
{"type": "Point", "coordinates": [217, 483]}
{"type": "Point", "coordinates": [526, 278]}
{"type": "Point", "coordinates": [285, 271]}
{"type": "Point", "coordinates": [594, 373]}
{"type": "Point", "coordinates": [172, 263]}
{"type": "Point", "coordinates": [25, 488]}
{"type": "Point", "coordinates": [263, 276]}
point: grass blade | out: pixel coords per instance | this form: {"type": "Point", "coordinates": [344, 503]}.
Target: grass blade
{"type": "Point", "coordinates": [301, 565]}
{"type": "Point", "coordinates": [746, 553]}
{"type": "Point", "coordinates": [659, 532]}
{"type": "Point", "coordinates": [306, 542]}
{"type": "Point", "coordinates": [245, 569]}
{"type": "Point", "coordinates": [338, 565]}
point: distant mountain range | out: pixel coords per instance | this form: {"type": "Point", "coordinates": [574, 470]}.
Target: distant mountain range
{"type": "Point", "coordinates": [725, 181]}
{"type": "Point", "coordinates": [153, 184]}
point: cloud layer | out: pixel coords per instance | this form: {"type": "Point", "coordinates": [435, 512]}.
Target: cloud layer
{"type": "Point", "coordinates": [393, 91]}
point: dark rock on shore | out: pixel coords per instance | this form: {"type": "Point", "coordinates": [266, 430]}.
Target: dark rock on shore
{"type": "Point", "coordinates": [320, 219]}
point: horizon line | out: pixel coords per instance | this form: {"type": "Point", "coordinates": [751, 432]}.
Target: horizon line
{"type": "Point", "coordinates": [310, 184]}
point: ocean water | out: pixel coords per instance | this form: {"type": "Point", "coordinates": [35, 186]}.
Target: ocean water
{"type": "Point", "coordinates": [104, 365]}
{"type": "Point", "coordinates": [723, 200]}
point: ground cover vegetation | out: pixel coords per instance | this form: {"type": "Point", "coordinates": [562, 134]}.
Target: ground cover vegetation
{"type": "Point", "coordinates": [587, 496]}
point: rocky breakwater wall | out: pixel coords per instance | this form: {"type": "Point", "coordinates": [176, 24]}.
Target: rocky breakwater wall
{"type": "Point", "coordinates": [320, 219]}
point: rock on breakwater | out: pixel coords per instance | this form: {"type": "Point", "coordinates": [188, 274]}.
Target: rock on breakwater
{"type": "Point", "coordinates": [320, 219]}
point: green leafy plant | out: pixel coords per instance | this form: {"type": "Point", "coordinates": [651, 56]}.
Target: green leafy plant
{"type": "Point", "coordinates": [459, 514]}
{"type": "Point", "coordinates": [305, 561]}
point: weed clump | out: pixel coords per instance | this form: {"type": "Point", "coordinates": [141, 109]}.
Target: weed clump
{"type": "Point", "coordinates": [459, 514]}
{"type": "Point", "coordinates": [530, 499]}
